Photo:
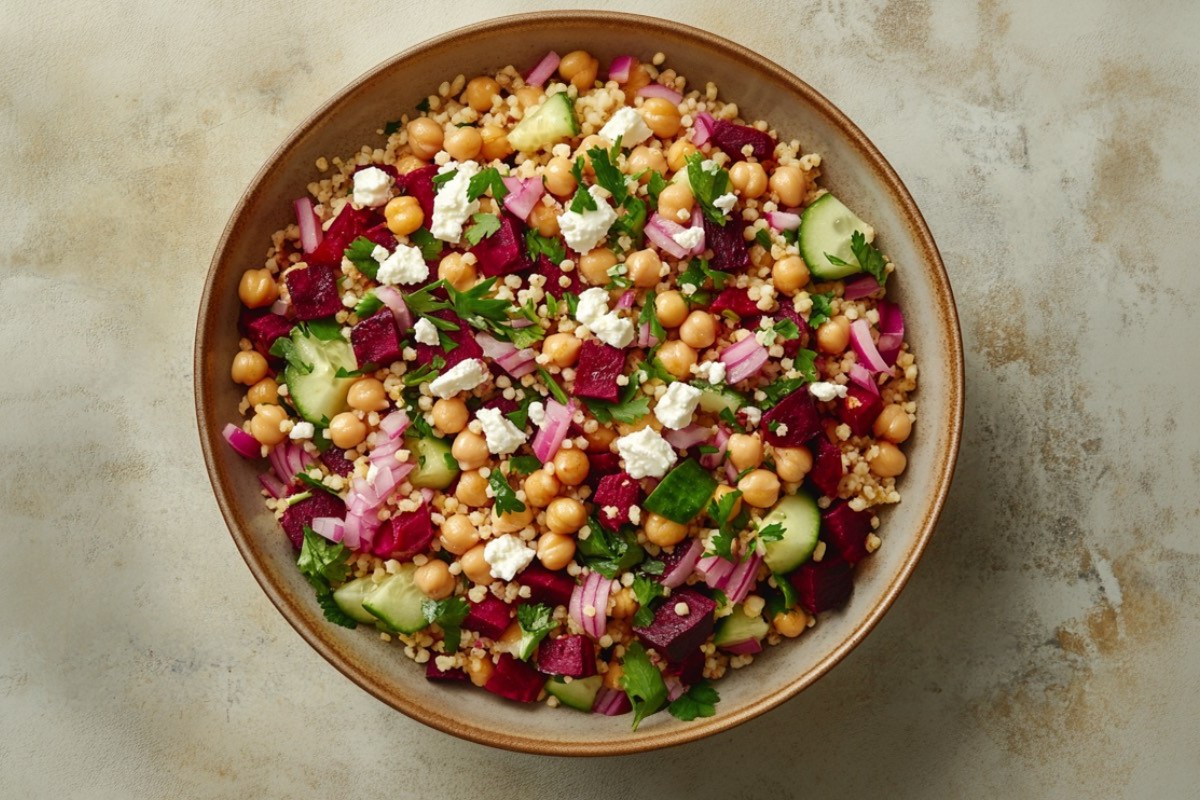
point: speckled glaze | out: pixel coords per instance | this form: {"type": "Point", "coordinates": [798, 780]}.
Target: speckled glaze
{"type": "Point", "coordinates": [853, 168]}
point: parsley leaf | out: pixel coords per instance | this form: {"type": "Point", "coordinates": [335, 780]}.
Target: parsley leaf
{"type": "Point", "coordinates": [868, 257]}
{"type": "Point", "coordinates": [609, 552]}
{"type": "Point", "coordinates": [650, 315]}
{"type": "Point", "coordinates": [342, 372]}
{"type": "Point", "coordinates": [608, 175]}
{"type": "Point", "coordinates": [707, 187]}
{"type": "Point", "coordinates": [426, 372]}
{"type": "Point", "coordinates": [423, 106]}
{"type": "Point", "coordinates": [448, 614]}
{"type": "Point", "coordinates": [524, 465]}
{"type": "Point", "coordinates": [642, 682]}
{"type": "Point", "coordinates": [552, 386]}
{"type": "Point", "coordinates": [392, 127]}
{"type": "Point", "coordinates": [537, 245]}
{"type": "Point", "coordinates": [628, 410]}
{"type": "Point", "coordinates": [698, 701]}
{"type": "Point", "coordinates": [484, 225]}
{"type": "Point", "coordinates": [771, 533]}
{"type": "Point", "coordinates": [423, 302]}
{"type": "Point", "coordinates": [698, 274]}
{"type": "Point", "coordinates": [583, 200]}
{"type": "Point", "coordinates": [506, 498]}
{"type": "Point", "coordinates": [763, 237]}
{"type": "Point", "coordinates": [443, 178]}
{"type": "Point", "coordinates": [491, 314]}
{"type": "Point", "coordinates": [430, 246]}
{"type": "Point", "coordinates": [633, 222]}
{"type": "Point", "coordinates": [323, 563]}
{"type": "Point", "coordinates": [821, 310]}
{"type": "Point", "coordinates": [729, 418]}
{"type": "Point", "coordinates": [653, 567]}
{"type": "Point", "coordinates": [572, 301]}
{"type": "Point", "coordinates": [646, 591]}
{"type": "Point", "coordinates": [368, 305]}
{"type": "Point", "coordinates": [786, 330]}
{"type": "Point", "coordinates": [655, 185]}
{"type": "Point", "coordinates": [484, 180]}
{"type": "Point", "coordinates": [782, 387]}
{"type": "Point", "coordinates": [327, 329]}
{"type": "Point", "coordinates": [721, 510]}
{"type": "Point", "coordinates": [536, 621]}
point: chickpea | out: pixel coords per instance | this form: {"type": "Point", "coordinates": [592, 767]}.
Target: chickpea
{"type": "Point", "coordinates": [793, 463]}
{"type": "Point", "coordinates": [723, 490]}
{"type": "Point", "coordinates": [449, 415]}
{"type": "Point", "coordinates": [367, 394]}
{"type": "Point", "coordinates": [760, 488]}
{"type": "Point", "coordinates": [678, 357]}
{"type": "Point", "coordinates": [403, 215]}
{"type": "Point", "coordinates": [676, 202]}
{"type": "Point", "coordinates": [458, 534]}
{"type": "Point", "coordinates": [495, 143]}
{"type": "Point", "coordinates": [645, 159]}
{"type": "Point", "coordinates": [480, 670]}
{"type": "Point", "coordinates": [264, 425]}
{"type": "Point", "coordinates": [662, 116]}
{"type": "Point", "coordinates": [565, 515]}
{"type": "Point", "coordinates": [545, 219]}
{"type": "Point", "coordinates": [834, 335]}
{"type": "Point", "coordinates": [644, 268]}
{"type": "Point", "coordinates": [562, 349]}
{"type": "Point", "coordinates": [662, 531]}
{"type": "Point", "coordinates": [454, 270]}
{"type": "Point", "coordinates": [671, 308]}
{"type": "Point", "coordinates": [571, 466]}
{"type": "Point", "coordinates": [589, 143]}
{"type": "Point", "coordinates": [265, 391]}
{"type": "Point", "coordinates": [678, 153]}
{"type": "Point", "coordinates": [472, 489]}
{"type": "Point", "coordinates": [425, 137]}
{"type": "Point", "coordinates": [540, 488]}
{"type": "Point", "coordinates": [475, 567]}
{"type": "Point", "coordinates": [257, 288]}
{"type": "Point", "coordinates": [433, 578]}
{"type": "Point", "coordinates": [469, 450]}
{"type": "Point", "coordinates": [595, 264]}
{"type": "Point", "coordinates": [612, 678]}
{"type": "Point", "coordinates": [748, 178]}
{"type": "Point", "coordinates": [529, 97]}
{"type": "Point", "coordinates": [791, 623]}
{"type": "Point", "coordinates": [481, 93]}
{"type": "Point", "coordinates": [580, 68]}
{"type": "Point", "coordinates": [639, 78]}
{"type": "Point", "coordinates": [600, 440]}
{"type": "Point", "coordinates": [889, 461]}
{"type": "Point", "coordinates": [790, 185]}
{"type": "Point", "coordinates": [893, 425]}
{"type": "Point", "coordinates": [464, 143]}
{"type": "Point", "coordinates": [699, 330]}
{"type": "Point", "coordinates": [555, 550]}
{"type": "Point", "coordinates": [512, 521]}
{"type": "Point", "coordinates": [407, 163]}
{"type": "Point", "coordinates": [559, 179]}
{"type": "Point", "coordinates": [745, 450]}
{"type": "Point", "coordinates": [624, 604]}
{"type": "Point", "coordinates": [347, 430]}
{"type": "Point", "coordinates": [759, 256]}
{"type": "Point", "coordinates": [512, 634]}
{"type": "Point", "coordinates": [790, 274]}
{"type": "Point", "coordinates": [249, 367]}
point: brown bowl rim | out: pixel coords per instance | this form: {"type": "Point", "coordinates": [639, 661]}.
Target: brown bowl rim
{"type": "Point", "coordinates": [345, 663]}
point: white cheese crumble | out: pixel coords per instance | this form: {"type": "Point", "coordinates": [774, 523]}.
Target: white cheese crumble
{"type": "Point", "coordinates": [537, 413]}
{"type": "Point", "coordinates": [502, 436]}
{"type": "Point", "coordinates": [451, 207]}
{"type": "Point", "coordinates": [425, 332]}
{"type": "Point", "coordinates": [462, 377]}
{"type": "Point", "coordinates": [628, 124]}
{"type": "Point", "coordinates": [726, 202]}
{"type": "Point", "coordinates": [302, 430]}
{"type": "Point", "coordinates": [753, 415]}
{"type": "Point", "coordinates": [405, 265]}
{"type": "Point", "coordinates": [689, 238]}
{"type": "Point", "coordinates": [675, 408]}
{"type": "Point", "coordinates": [646, 454]}
{"type": "Point", "coordinates": [507, 555]}
{"type": "Point", "coordinates": [372, 187]}
{"type": "Point", "coordinates": [711, 371]}
{"type": "Point", "coordinates": [607, 326]}
{"type": "Point", "coordinates": [825, 391]}
{"type": "Point", "coordinates": [710, 166]}
{"type": "Point", "coordinates": [584, 230]}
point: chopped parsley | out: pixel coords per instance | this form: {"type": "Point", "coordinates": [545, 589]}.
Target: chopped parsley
{"type": "Point", "coordinates": [487, 180]}
{"type": "Point", "coordinates": [821, 310]}
{"type": "Point", "coordinates": [608, 174]}
{"type": "Point", "coordinates": [642, 682]}
{"type": "Point", "coordinates": [729, 524]}
{"type": "Point", "coordinates": [426, 372]}
{"type": "Point", "coordinates": [646, 590]}
{"type": "Point", "coordinates": [327, 329]}
{"type": "Point", "coordinates": [698, 701]}
{"type": "Point", "coordinates": [506, 499]}
{"type": "Point", "coordinates": [524, 465]}
{"type": "Point", "coordinates": [482, 226]}
{"type": "Point", "coordinates": [391, 127]}
{"type": "Point", "coordinates": [359, 252]}
{"type": "Point", "coordinates": [583, 200]}
{"type": "Point", "coordinates": [609, 552]}
{"type": "Point", "coordinates": [786, 330]}
{"type": "Point", "coordinates": [655, 186]}
{"type": "Point", "coordinates": [323, 563]}
{"type": "Point", "coordinates": [448, 614]}
{"type": "Point", "coordinates": [763, 237]}
{"type": "Point", "coordinates": [368, 305]}
{"type": "Point", "coordinates": [707, 187]}
{"type": "Point", "coordinates": [429, 245]}
{"type": "Point", "coordinates": [552, 386]}
{"type": "Point", "coordinates": [538, 245]}
{"type": "Point", "coordinates": [868, 257]}
{"type": "Point", "coordinates": [443, 178]}
{"type": "Point", "coordinates": [536, 621]}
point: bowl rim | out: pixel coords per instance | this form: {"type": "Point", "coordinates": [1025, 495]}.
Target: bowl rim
{"type": "Point", "coordinates": [210, 437]}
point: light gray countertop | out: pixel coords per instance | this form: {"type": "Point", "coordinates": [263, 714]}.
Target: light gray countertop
{"type": "Point", "coordinates": [1049, 642]}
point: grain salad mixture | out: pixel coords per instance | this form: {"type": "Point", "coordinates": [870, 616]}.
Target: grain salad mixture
{"type": "Point", "coordinates": [583, 391]}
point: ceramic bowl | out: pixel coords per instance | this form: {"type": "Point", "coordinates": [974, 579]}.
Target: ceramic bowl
{"type": "Point", "coordinates": [853, 168]}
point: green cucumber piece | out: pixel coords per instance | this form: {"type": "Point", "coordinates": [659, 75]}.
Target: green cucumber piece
{"type": "Point", "coordinates": [318, 394]}
{"type": "Point", "coordinates": [683, 493]}
{"type": "Point", "coordinates": [714, 400]}
{"type": "Point", "coordinates": [349, 598]}
{"type": "Point", "coordinates": [826, 227]}
{"type": "Point", "coordinates": [548, 124]}
{"type": "Point", "coordinates": [801, 521]}
{"type": "Point", "coordinates": [580, 693]}
{"type": "Point", "coordinates": [436, 467]}
{"type": "Point", "coordinates": [396, 601]}
{"type": "Point", "coordinates": [738, 627]}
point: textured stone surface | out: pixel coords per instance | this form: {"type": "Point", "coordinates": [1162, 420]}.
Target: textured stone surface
{"type": "Point", "coordinates": [1048, 645]}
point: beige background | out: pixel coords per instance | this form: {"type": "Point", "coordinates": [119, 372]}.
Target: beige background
{"type": "Point", "coordinates": [1049, 643]}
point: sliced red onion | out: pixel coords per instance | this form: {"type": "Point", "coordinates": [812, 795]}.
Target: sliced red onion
{"type": "Point", "coordinates": [611, 702]}
{"type": "Point", "coordinates": [513, 361]}
{"type": "Point", "coordinates": [553, 430]}
{"type": "Point", "coordinates": [783, 220]}
{"type": "Point", "coordinates": [891, 331]}
{"type": "Point", "coordinates": [492, 347]}
{"type": "Point", "coordinates": [715, 571]}
{"type": "Point", "coordinates": [698, 224]}
{"type": "Point", "coordinates": [273, 485]}
{"type": "Point", "coordinates": [289, 458]}
{"type": "Point", "coordinates": [743, 578]}
{"type": "Point", "coordinates": [678, 575]}
{"type": "Point", "coordinates": [309, 224]}
{"type": "Point", "coordinates": [352, 531]}
{"type": "Point", "coordinates": [544, 69]}
{"type": "Point", "coordinates": [675, 687]}
{"type": "Point", "coordinates": [523, 195]}
{"type": "Point", "coordinates": [243, 443]}
{"type": "Point", "coordinates": [619, 69]}
{"type": "Point", "coordinates": [645, 337]}
{"type": "Point", "coordinates": [592, 593]}
{"type": "Point", "coordinates": [720, 441]}
{"type": "Point", "coordinates": [331, 528]}
{"type": "Point", "coordinates": [702, 128]}
{"type": "Point", "coordinates": [860, 287]}
{"type": "Point", "coordinates": [745, 647]}
{"type": "Point", "coordinates": [280, 307]}
{"type": "Point", "coordinates": [575, 606]}
{"type": "Point", "coordinates": [689, 436]}
{"type": "Point", "coordinates": [864, 347]}
{"type": "Point", "coordinates": [626, 299]}
{"type": "Point", "coordinates": [743, 359]}
{"type": "Point", "coordinates": [863, 377]}
{"type": "Point", "coordinates": [731, 472]}
{"type": "Point", "coordinates": [394, 423]}
{"type": "Point", "coordinates": [391, 297]}
{"type": "Point", "coordinates": [658, 90]}
{"type": "Point", "coordinates": [659, 230]}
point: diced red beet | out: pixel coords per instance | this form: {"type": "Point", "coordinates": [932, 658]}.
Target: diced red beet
{"type": "Point", "coordinates": [553, 272]}
{"type": "Point", "coordinates": [731, 138]}
{"type": "Point", "coordinates": [728, 245]}
{"type": "Point", "coordinates": [502, 403]}
{"type": "Point", "coordinates": [823, 585]}
{"type": "Point", "coordinates": [547, 586]}
{"type": "Point", "coordinates": [452, 675]}
{"type": "Point", "coordinates": [349, 225]}
{"type": "Point", "coordinates": [375, 340]}
{"type": "Point", "coordinates": [827, 468]}
{"type": "Point", "coordinates": [798, 412]}
{"type": "Point", "coordinates": [675, 636]}
{"type": "Point", "coordinates": [314, 292]}
{"type": "Point", "coordinates": [598, 369]}
{"type": "Point", "coordinates": [489, 617]}
{"type": "Point", "coordinates": [616, 491]}
{"type": "Point", "coordinates": [503, 253]}
{"type": "Point", "coordinates": [599, 465]}
{"type": "Point", "coordinates": [846, 530]}
{"type": "Point", "coordinates": [571, 655]}
{"type": "Point", "coordinates": [690, 669]}
{"type": "Point", "coordinates": [335, 460]}
{"type": "Point", "coordinates": [792, 346]}
{"type": "Point", "coordinates": [321, 504]}
{"type": "Point", "coordinates": [262, 328]}
{"type": "Point", "coordinates": [515, 680]}
{"type": "Point", "coordinates": [405, 535]}
{"type": "Point", "coordinates": [380, 235]}
{"type": "Point", "coordinates": [859, 408]}
{"type": "Point", "coordinates": [467, 346]}
{"type": "Point", "coordinates": [736, 300]}
{"type": "Point", "coordinates": [419, 184]}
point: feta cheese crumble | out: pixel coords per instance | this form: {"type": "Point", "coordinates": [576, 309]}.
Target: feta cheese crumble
{"type": "Point", "coordinates": [302, 430]}
{"type": "Point", "coordinates": [507, 555]}
{"type": "Point", "coordinates": [726, 202]}
{"type": "Point", "coordinates": [825, 391]}
{"type": "Point", "coordinates": [675, 408]}
{"type": "Point", "coordinates": [627, 124]}
{"type": "Point", "coordinates": [404, 266]}
{"type": "Point", "coordinates": [607, 326]}
{"type": "Point", "coordinates": [425, 332]}
{"type": "Point", "coordinates": [462, 377]}
{"type": "Point", "coordinates": [537, 413]}
{"type": "Point", "coordinates": [646, 454]}
{"type": "Point", "coordinates": [710, 166]}
{"type": "Point", "coordinates": [502, 436]}
{"type": "Point", "coordinates": [372, 187]}
{"type": "Point", "coordinates": [753, 415]}
{"type": "Point", "coordinates": [584, 230]}
{"type": "Point", "coordinates": [711, 371]}
{"type": "Point", "coordinates": [689, 238]}
{"type": "Point", "coordinates": [451, 207]}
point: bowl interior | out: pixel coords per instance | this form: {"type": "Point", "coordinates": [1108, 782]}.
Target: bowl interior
{"type": "Point", "coordinates": [852, 168]}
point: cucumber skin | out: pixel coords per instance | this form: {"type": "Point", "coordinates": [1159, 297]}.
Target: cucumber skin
{"type": "Point", "coordinates": [389, 593]}
{"type": "Point", "coordinates": [737, 626]}
{"type": "Point", "coordinates": [542, 128]}
{"type": "Point", "coordinates": [816, 239]}
{"type": "Point", "coordinates": [668, 501]}
{"type": "Point", "coordinates": [435, 473]}
{"type": "Point", "coordinates": [579, 694]}
{"type": "Point", "coordinates": [801, 519]}
{"type": "Point", "coordinates": [349, 597]}
{"type": "Point", "coordinates": [326, 357]}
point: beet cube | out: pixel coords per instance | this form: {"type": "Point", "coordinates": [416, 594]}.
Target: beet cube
{"type": "Point", "coordinates": [503, 252]}
{"type": "Point", "coordinates": [690, 669]}
{"type": "Point", "coordinates": [336, 462]}
{"type": "Point", "coordinates": [619, 492]}
{"type": "Point", "coordinates": [405, 534]}
{"type": "Point", "coordinates": [792, 346]}
{"type": "Point", "coordinates": [376, 340]}
{"type": "Point", "coordinates": [675, 636]}
{"type": "Point", "coordinates": [314, 292]}
{"type": "Point", "coordinates": [598, 369]}
{"type": "Point", "coordinates": [350, 224]}
{"type": "Point", "coordinates": [736, 300]}
{"type": "Point", "coordinates": [452, 675]}
{"type": "Point", "coordinates": [553, 272]}
{"type": "Point", "coordinates": [488, 618]}
{"type": "Point", "coordinates": [827, 468]}
{"type": "Point", "coordinates": [465, 344]}
{"type": "Point", "coordinates": [571, 655]}
{"type": "Point", "coordinates": [515, 680]}
{"type": "Point", "coordinates": [381, 236]}
{"type": "Point", "coordinates": [419, 184]}
{"type": "Point", "coordinates": [846, 530]}
{"type": "Point", "coordinates": [793, 421]}
{"type": "Point", "coordinates": [728, 245]}
{"type": "Point", "coordinates": [502, 404]}
{"type": "Point", "coordinates": [731, 138]}
{"type": "Point", "coordinates": [599, 465]}
{"type": "Point", "coordinates": [546, 586]}
{"type": "Point", "coordinates": [859, 408]}
{"type": "Point", "coordinates": [298, 515]}
{"type": "Point", "coordinates": [823, 585]}
{"type": "Point", "coordinates": [262, 328]}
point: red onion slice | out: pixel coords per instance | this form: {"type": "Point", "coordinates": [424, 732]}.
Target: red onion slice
{"type": "Point", "coordinates": [660, 231]}
{"type": "Point", "coordinates": [553, 430]}
{"type": "Point", "coordinates": [658, 90]}
{"type": "Point", "coordinates": [544, 69]}
{"type": "Point", "coordinates": [743, 359]}
{"type": "Point", "coordinates": [678, 574]}
{"type": "Point", "coordinates": [860, 287]}
{"type": "Point", "coordinates": [743, 578]}
{"type": "Point", "coordinates": [243, 443]}
{"type": "Point", "coordinates": [620, 67]}
{"type": "Point", "coordinates": [688, 436]}
{"type": "Point", "coordinates": [392, 298]}
{"type": "Point", "coordinates": [783, 220]}
{"type": "Point", "coordinates": [864, 347]}
{"type": "Point", "coordinates": [331, 528]}
{"type": "Point", "coordinates": [309, 224]}
{"type": "Point", "coordinates": [523, 195]}
{"type": "Point", "coordinates": [891, 331]}
{"type": "Point", "coordinates": [702, 128]}
{"type": "Point", "coordinates": [863, 377]}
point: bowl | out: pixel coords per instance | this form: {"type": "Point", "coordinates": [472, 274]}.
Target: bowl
{"type": "Point", "coordinates": [853, 168]}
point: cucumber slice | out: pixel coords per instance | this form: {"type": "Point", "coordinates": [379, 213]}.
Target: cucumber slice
{"type": "Point", "coordinates": [436, 467]}
{"type": "Point", "coordinates": [349, 598]}
{"type": "Point", "coordinates": [683, 493]}
{"type": "Point", "coordinates": [801, 520]}
{"type": "Point", "coordinates": [579, 693]}
{"type": "Point", "coordinates": [318, 395]}
{"type": "Point", "coordinates": [738, 627]}
{"type": "Point", "coordinates": [826, 227]}
{"type": "Point", "coordinates": [548, 124]}
{"type": "Point", "coordinates": [396, 601]}
{"type": "Point", "coordinates": [715, 400]}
